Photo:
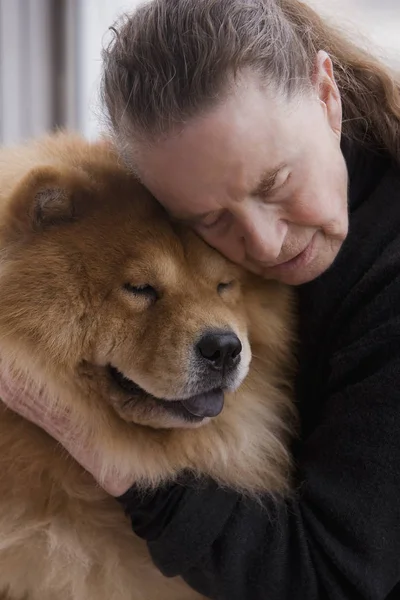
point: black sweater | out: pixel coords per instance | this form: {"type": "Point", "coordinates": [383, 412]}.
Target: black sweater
{"type": "Point", "coordinates": [340, 537]}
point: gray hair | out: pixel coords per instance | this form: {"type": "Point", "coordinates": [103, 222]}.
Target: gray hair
{"type": "Point", "coordinates": [172, 59]}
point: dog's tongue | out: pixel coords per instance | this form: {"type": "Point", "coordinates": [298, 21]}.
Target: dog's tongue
{"type": "Point", "coordinates": [209, 404]}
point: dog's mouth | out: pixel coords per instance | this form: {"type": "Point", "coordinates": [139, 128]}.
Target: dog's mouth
{"type": "Point", "coordinates": [195, 408]}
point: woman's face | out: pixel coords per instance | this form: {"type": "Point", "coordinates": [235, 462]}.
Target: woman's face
{"type": "Point", "coordinates": [261, 179]}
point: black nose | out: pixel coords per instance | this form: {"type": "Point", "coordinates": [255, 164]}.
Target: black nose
{"type": "Point", "coordinates": [220, 349]}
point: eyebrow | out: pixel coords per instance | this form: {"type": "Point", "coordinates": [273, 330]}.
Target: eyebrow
{"type": "Point", "coordinates": [267, 182]}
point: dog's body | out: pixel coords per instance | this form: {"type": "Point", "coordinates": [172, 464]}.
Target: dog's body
{"type": "Point", "coordinates": [112, 309]}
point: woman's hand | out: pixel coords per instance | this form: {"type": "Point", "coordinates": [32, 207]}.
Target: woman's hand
{"type": "Point", "coordinates": [33, 404]}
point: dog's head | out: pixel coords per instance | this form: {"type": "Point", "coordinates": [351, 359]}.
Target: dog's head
{"type": "Point", "coordinates": [110, 297]}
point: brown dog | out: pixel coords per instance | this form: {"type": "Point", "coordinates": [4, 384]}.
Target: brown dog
{"type": "Point", "coordinates": [170, 354]}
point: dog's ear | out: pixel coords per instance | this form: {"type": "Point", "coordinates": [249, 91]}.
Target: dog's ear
{"type": "Point", "coordinates": [46, 197]}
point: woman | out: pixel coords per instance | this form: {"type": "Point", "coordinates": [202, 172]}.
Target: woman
{"type": "Point", "coordinates": [278, 140]}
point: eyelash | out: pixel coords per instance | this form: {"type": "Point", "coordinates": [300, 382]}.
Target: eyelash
{"type": "Point", "coordinates": [223, 215]}
{"type": "Point", "coordinates": [142, 291]}
{"type": "Point", "coordinates": [272, 190]}
{"type": "Point", "coordinates": [214, 223]}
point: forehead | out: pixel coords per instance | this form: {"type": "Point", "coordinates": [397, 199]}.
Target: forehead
{"type": "Point", "coordinates": [204, 260]}
{"type": "Point", "coordinates": [221, 152]}
{"type": "Point", "coordinates": [139, 239]}
{"type": "Point", "coordinates": [181, 262]}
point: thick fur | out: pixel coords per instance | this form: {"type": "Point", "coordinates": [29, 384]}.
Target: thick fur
{"type": "Point", "coordinates": [75, 228]}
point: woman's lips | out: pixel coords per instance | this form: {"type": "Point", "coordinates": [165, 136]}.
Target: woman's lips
{"type": "Point", "coordinates": [297, 262]}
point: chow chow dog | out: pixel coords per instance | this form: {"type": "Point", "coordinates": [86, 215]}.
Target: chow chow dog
{"type": "Point", "coordinates": [172, 356]}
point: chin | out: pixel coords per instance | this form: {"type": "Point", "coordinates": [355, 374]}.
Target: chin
{"type": "Point", "coordinates": [134, 404]}
{"type": "Point", "coordinates": [297, 278]}
{"type": "Point", "coordinates": [321, 259]}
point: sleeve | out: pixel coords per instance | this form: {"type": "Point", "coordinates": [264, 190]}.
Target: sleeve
{"type": "Point", "coordinates": [338, 538]}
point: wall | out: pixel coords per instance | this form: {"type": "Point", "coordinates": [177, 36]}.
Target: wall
{"type": "Point", "coordinates": [26, 69]}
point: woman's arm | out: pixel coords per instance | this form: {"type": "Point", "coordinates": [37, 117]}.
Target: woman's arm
{"type": "Point", "coordinates": [32, 403]}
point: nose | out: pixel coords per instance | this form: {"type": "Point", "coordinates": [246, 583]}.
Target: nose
{"type": "Point", "coordinates": [220, 349]}
{"type": "Point", "coordinates": [263, 237]}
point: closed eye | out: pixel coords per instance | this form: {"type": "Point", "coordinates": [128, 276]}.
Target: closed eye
{"type": "Point", "coordinates": [223, 286]}
{"type": "Point", "coordinates": [212, 220]}
{"type": "Point", "coordinates": [142, 291]}
{"type": "Point", "coordinates": [281, 180]}
{"type": "Point", "coordinates": [274, 182]}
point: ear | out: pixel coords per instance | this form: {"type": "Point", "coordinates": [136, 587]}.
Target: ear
{"type": "Point", "coordinates": [46, 197]}
{"type": "Point", "coordinates": [327, 91]}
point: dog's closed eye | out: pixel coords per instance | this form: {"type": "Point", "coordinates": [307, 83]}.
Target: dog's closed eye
{"type": "Point", "coordinates": [142, 291]}
{"type": "Point", "coordinates": [224, 286]}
